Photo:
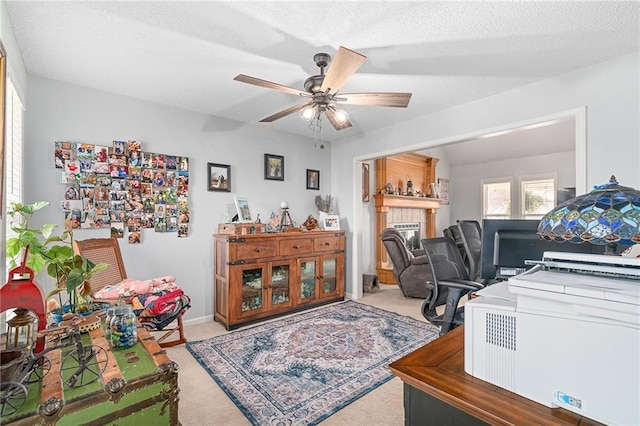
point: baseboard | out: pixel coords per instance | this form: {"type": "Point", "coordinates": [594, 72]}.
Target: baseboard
{"type": "Point", "coordinates": [199, 320]}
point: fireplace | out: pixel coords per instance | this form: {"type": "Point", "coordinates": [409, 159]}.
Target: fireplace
{"type": "Point", "coordinates": [411, 234]}
{"type": "Point", "coordinates": [414, 217]}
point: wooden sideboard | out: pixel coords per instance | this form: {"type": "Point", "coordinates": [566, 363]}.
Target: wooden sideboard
{"type": "Point", "coordinates": [264, 275]}
{"type": "Point", "coordinates": [437, 391]}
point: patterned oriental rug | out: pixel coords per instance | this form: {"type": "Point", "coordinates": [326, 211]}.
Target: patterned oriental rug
{"type": "Point", "coordinates": [301, 369]}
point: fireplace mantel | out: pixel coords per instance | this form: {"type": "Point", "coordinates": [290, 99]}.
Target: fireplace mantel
{"type": "Point", "coordinates": [403, 201]}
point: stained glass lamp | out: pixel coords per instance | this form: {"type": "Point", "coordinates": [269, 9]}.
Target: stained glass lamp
{"type": "Point", "coordinates": [609, 215]}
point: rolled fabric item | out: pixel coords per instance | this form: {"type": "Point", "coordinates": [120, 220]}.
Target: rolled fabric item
{"type": "Point", "coordinates": [164, 303]}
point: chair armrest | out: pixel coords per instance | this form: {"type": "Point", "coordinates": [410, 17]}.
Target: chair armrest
{"type": "Point", "coordinates": [420, 260]}
{"type": "Point", "coordinates": [418, 252]}
{"type": "Point", "coordinates": [461, 284]}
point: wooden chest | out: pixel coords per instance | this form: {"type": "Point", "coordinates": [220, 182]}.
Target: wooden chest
{"type": "Point", "coordinates": [138, 387]}
{"type": "Point", "coordinates": [241, 228]}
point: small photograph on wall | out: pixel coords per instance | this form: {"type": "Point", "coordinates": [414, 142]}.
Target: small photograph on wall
{"type": "Point", "coordinates": [63, 152]}
{"type": "Point", "coordinates": [120, 147]}
{"type": "Point", "coordinates": [117, 229]}
{"type": "Point", "coordinates": [133, 145]}
{"type": "Point", "coordinates": [184, 164]}
{"type": "Point", "coordinates": [134, 237]}
{"type": "Point", "coordinates": [171, 162]}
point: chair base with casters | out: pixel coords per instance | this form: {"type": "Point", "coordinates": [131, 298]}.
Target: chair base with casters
{"type": "Point", "coordinates": [107, 250]}
{"type": "Point", "coordinates": [450, 283]}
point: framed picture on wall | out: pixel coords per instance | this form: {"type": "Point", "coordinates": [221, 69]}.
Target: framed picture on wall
{"type": "Point", "coordinates": [365, 182]}
{"type": "Point", "coordinates": [313, 179]}
{"type": "Point", "coordinates": [219, 177]}
{"type": "Point", "coordinates": [443, 184]}
{"type": "Point", "coordinates": [273, 167]}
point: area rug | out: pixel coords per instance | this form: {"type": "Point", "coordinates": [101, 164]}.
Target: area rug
{"type": "Point", "coordinates": [301, 369]}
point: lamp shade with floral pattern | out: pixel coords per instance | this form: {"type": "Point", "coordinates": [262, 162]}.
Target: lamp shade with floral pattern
{"type": "Point", "coordinates": [608, 215]}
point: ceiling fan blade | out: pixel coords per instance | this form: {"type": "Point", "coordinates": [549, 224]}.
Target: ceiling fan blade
{"type": "Point", "coordinates": [285, 112]}
{"type": "Point", "coordinates": [339, 125]}
{"type": "Point", "coordinates": [345, 63]}
{"type": "Point", "coordinates": [400, 100]}
{"type": "Point", "coordinates": [268, 84]}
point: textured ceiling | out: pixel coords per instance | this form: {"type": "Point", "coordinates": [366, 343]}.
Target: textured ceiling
{"type": "Point", "coordinates": [186, 54]}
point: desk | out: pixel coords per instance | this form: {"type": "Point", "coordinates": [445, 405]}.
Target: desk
{"type": "Point", "coordinates": [437, 391]}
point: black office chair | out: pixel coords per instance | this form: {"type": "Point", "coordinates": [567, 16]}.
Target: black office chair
{"type": "Point", "coordinates": [450, 283]}
{"type": "Point", "coordinates": [471, 236]}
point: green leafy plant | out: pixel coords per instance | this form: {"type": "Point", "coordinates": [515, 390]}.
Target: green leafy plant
{"type": "Point", "coordinates": [50, 252]}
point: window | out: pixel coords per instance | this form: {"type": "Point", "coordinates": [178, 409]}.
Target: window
{"type": "Point", "coordinates": [496, 199]}
{"type": "Point", "coordinates": [532, 199]}
{"type": "Point", "coordinates": [13, 154]}
{"type": "Point", "coordinates": [538, 196]}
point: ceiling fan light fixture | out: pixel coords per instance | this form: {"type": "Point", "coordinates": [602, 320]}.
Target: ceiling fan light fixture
{"type": "Point", "coordinates": [307, 113]}
{"type": "Point", "coordinates": [341, 115]}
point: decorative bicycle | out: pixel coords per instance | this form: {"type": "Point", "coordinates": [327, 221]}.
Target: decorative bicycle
{"type": "Point", "coordinates": [81, 365]}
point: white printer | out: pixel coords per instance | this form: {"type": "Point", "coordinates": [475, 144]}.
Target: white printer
{"type": "Point", "coordinates": [566, 334]}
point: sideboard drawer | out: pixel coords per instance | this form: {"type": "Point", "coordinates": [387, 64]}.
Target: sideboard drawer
{"type": "Point", "coordinates": [327, 244]}
{"type": "Point", "coordinates": [255, 250]}
{"type": "Point", "coordinates": [295, 246]}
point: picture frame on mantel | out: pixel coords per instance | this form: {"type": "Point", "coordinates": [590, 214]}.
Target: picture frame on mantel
{"type": "Point", "coordinates": [273, 167]}
{"type": "Point", "coordinates": [443, 184]}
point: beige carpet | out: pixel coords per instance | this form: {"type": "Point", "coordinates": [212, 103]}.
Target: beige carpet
{"type": "Point", "coordinates": [202, 402]}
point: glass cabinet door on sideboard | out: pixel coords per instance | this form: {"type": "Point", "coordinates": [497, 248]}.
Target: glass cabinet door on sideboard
{"type": "Point", "coordinates": [320, 277]}
{"type": "Point", "coordinates": [252, 297]}
{"type": "Point", "coordinates": [264, 286]}
{"type": "Point", "coordinates": [330, 275]}
{"type": "Point", "coordinates": [279, 286]}
{"type": "Point", "coordinates": [308, 280]}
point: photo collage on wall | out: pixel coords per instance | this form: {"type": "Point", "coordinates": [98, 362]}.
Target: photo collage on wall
{"type": "Point", "coordinates": [123, 188]}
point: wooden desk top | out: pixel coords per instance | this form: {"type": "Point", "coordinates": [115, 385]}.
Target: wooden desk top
{"type": "Point", "coordinates": [438, 370]}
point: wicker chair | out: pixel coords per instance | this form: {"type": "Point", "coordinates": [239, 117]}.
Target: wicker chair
{"type": "Point", "coordinates": [107, 250]}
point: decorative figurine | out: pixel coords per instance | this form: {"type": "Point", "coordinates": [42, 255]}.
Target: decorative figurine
{"type": "Point", "coordinates": [311, 223]}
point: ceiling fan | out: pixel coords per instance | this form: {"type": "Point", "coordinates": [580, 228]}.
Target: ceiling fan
{"type": "Point", "coordinates": [322, 91]}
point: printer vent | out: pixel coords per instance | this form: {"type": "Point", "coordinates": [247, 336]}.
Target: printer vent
{"type": "Point", "coordinates": [501, 330]}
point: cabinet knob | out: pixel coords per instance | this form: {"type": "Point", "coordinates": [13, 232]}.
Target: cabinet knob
{"type": "Point", "coordinates": [296, 247]}
{"type": "Point", "coordinates": [327, 244]}
{"type": "Point", "coordinates": [258, 250]}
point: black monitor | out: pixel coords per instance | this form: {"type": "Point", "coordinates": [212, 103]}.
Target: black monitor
{"type": "Point", "coordinates": [507, 243]}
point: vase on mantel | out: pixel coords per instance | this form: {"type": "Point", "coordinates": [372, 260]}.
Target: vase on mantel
{"type": "Point", "coordinates": [435, 190]}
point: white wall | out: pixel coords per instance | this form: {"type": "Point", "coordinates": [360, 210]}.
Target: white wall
{"type": "Point", "coordinates": [609, 91]}
{"type": "Point", "coordinates": [60, 111]}
{"type": "Point", "coordinates": [466, 187]}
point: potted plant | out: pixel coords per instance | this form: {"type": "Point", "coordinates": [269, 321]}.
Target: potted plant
{"type": "Point", "coordinates": [52, 253]}
{"type": "Point", "coordinates": [324, 204]}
